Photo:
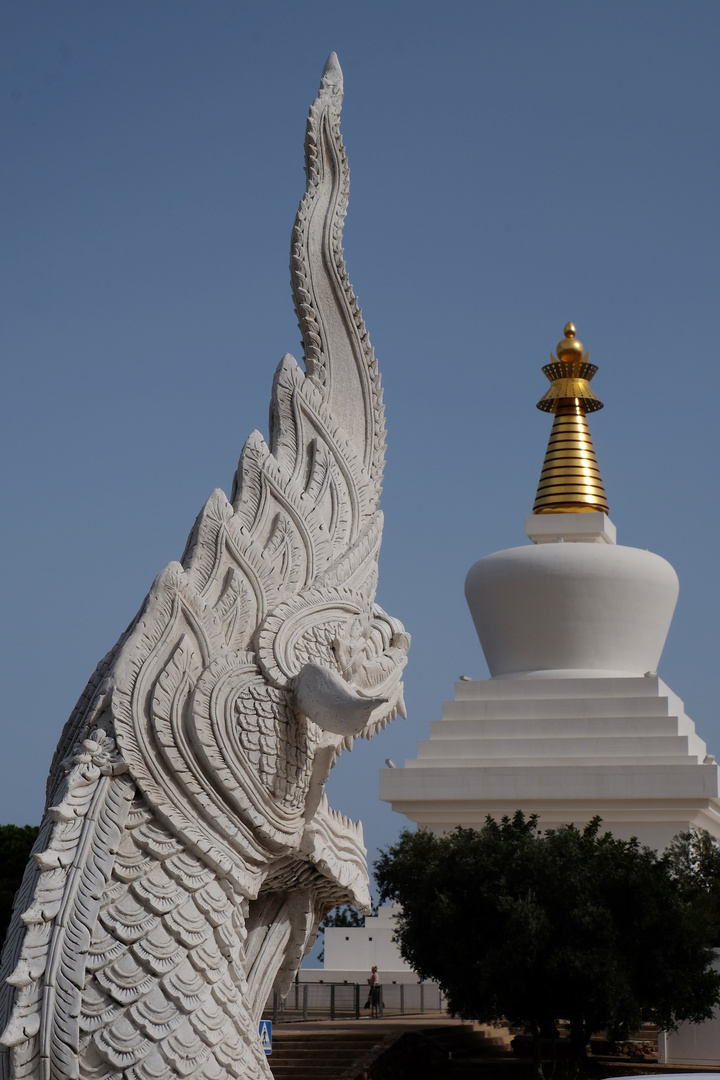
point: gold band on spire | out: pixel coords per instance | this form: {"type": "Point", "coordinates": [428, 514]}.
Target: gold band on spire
{"type": "Point", "coordinates": [570, 481]}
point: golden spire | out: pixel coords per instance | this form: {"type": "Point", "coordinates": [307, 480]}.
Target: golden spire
{"type": "Point", "coordinates": [570, 481]}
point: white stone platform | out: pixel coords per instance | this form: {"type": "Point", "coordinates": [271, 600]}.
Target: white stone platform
{"type": "Point", "coordinates": [567, 749]}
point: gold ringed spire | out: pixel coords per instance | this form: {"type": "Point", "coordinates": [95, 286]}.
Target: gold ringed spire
{"type": "Point", "coordinates": [570, 481]}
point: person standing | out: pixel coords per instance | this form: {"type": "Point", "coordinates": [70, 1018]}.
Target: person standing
{"type": "Point", "coordinates": [374, 992]}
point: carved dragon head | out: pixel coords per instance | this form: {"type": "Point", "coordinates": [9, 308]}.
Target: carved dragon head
{"type": "Point", "coordinates": [210, 729]}
{"type": "Point", "coordinates": [261, 655]}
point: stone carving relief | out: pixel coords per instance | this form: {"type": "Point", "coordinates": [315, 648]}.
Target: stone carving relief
{"type": "Point", "coordinates": [187, 851]}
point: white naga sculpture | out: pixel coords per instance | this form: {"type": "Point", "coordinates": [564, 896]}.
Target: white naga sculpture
{"type": "Point", "coordinates": [188, 851]}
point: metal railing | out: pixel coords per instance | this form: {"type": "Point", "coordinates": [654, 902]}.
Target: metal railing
{"type": "Point", "coordinates": [347, 1001]}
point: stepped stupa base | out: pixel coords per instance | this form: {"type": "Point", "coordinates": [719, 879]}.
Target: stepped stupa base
{"type": "Point", "coordinates": [566, 749]}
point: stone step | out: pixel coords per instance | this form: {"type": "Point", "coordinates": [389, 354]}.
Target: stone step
{"type": "Point", "coordinates": [520, 727]}
{"type": "Point", "coordinates": [309, 1045]}
{"type": "Point", "coordinates": [300, 1041]}
{"type": "Point", "coordinates": [469, 1043]}
{"type": "Point", "coordinates": [504, 689]}
{"type": "Point", "coordinates": [306, 1072]}
{"type": "Point", "coordinates": [358, 1033]}
{"type": "Point", "coordinates": [302, 1053]}
{"type": "Point", "coordinates": [328, 1055]}
{"type": "Point", "coordinates": [318, 1055]}
{"type": "Point", "coordinates": [313, 1065]}
{"type": "Point", "coordinates": [483, 761]}
{"type": "Point", "coordinates": [544, 745]}
{"type": "Point", "coordinates": [549, 708]}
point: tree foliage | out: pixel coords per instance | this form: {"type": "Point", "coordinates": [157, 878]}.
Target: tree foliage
{"type": "Point", "coordinates": [567, 925]}
{"type": "Point", "coordinates": [16, 842]}
{"type": "Point", "coordinates": [693, 859]}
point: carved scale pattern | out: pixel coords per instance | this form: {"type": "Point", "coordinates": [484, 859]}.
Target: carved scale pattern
{"type": "Point", "coordinates": [162, 994]}
{"type": "Point", "coordinates": [188, 852]}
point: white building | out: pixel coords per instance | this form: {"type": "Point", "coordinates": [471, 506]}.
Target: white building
{"type": "Point", "coordinates": [574, 721]}
{"type": "Point", "coordinates": [351, 953]}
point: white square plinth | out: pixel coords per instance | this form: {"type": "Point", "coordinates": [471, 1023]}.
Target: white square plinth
{"type": "Point", "coordinates": [595, 528]}
{"type": "Point", "coordinates": [566, 749]}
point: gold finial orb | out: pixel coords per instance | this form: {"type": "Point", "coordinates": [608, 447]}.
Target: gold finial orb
{"type": "Point", "coordinates": [570, 348]}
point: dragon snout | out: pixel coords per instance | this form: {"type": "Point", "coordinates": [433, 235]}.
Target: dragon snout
{"type": "Point", "coordinates": [328, 701]}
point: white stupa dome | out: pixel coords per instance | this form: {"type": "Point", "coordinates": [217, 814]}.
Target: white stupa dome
{"type": "Point", "coordinates": [570, 609]}
{"type": "Point", "coordinates": [574, 604]}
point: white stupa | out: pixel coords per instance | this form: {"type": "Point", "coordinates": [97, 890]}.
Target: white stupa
{"type": "Point", "coordinates": [574, 720]}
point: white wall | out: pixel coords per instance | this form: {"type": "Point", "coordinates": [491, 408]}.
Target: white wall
{"type": "Point", "coordinates": [692, 1044]}
{"type": "Point", "coordinates": [350, 953]}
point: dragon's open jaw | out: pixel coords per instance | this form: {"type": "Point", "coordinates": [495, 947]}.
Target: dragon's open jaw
{"type": "Point", "coordinates": [333, 842]}
{"type": "Point", "coordinates": [374, 667]}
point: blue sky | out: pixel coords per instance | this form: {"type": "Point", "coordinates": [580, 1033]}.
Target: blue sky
{"type": "Point", "coordinates": [514, 165]}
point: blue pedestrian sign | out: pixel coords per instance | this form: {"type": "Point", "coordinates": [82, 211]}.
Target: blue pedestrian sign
{"type": "Point", "coordinates": [266, 1035]}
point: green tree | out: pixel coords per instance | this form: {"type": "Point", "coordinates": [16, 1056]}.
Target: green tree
{"type": "Point", "coordinates": [16, 842]}
{"type": "Point", "coordinates": [693, 859]}
{"type": "Point", "coordinates": [570, 925]}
